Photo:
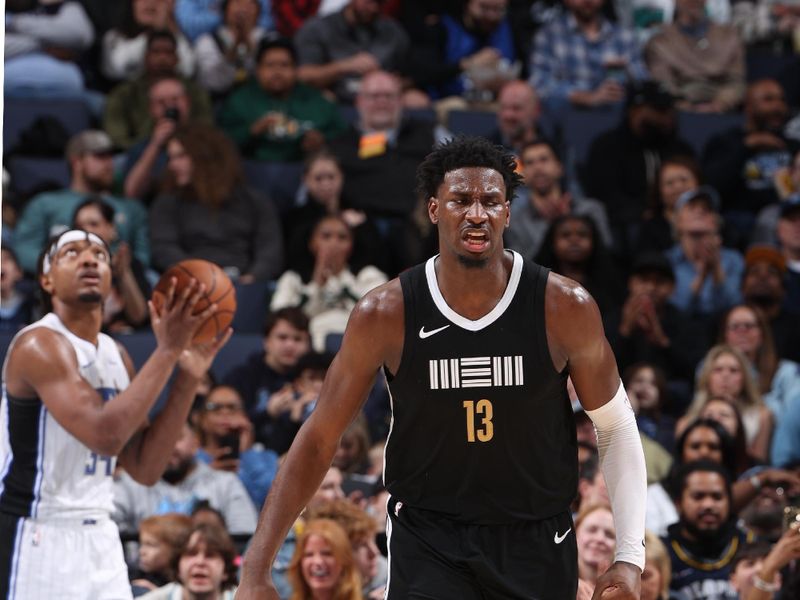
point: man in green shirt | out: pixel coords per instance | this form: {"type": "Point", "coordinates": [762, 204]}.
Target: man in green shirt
{"type": "Point", "coordinates": [275, 118]}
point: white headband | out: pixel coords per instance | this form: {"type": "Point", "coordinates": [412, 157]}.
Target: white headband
{"type": "Point", "coordinates": [73, 235]}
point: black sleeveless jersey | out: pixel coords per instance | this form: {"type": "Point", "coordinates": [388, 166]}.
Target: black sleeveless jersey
{"type": "Point", "coordinates": [482, 427]}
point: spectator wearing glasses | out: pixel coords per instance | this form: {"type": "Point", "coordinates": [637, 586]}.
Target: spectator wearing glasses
{"type": "Point", "coordinates": [221, 422]}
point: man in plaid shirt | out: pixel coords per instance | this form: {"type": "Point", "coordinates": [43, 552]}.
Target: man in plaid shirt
{"type": "Point", "coordinates": [581, 58]}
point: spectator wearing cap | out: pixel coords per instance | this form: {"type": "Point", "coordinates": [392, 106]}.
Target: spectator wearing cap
{"type": "Point", "coordinates": [274, 117]}
{"type": "Point", "coordinates": [743, 162]}
{"type": "Point", "coordinates": [336, 50]}
{"type": "Point", "coordinates": [650, 329]}
{"type": "Point", "coordinates": [90, 155]}
{"type": "Point", "coordinates": [707, 275]}
{"type": "Point", "coordinates": [699, 61]}
{"type": "Point", "coordinates": [764, 286]}
{"type": "Point", "coordinates": [128, 117]}
{"type": "Point", "coordinates": [546, 196]}
{"type": "Point", "coordinates": [580, 58]}
{"type": "Point", "coordinates": [788, 232]}
{"type": "Point", "coordinates": [226, 56]}
{"type": "Point", "coordinates": [622, 165]}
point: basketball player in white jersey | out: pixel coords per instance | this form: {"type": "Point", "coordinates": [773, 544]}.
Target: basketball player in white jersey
{"type": "Point", "coordinates": [71, 407]}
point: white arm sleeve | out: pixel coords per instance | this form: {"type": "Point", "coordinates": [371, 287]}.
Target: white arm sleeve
{"type": "Point", "coordinates": [622, 463]}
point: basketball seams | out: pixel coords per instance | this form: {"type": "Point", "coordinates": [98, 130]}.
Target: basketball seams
{"type": "Point", "coordinates": [188, 269]}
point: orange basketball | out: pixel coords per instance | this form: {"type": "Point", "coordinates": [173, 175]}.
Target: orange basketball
{"type": "Point", "coordinates": [219, 290]}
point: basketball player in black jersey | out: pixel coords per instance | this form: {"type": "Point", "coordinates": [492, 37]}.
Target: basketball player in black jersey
{"type": "Point", "coordinates": [481, 460]}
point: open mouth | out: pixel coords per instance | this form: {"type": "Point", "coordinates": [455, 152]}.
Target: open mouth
{"type": "Point", "coordinates": [476, 240]}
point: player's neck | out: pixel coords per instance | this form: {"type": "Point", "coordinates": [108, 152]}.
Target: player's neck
{"type": "Point", "coordinates": [457, 283]}
{"type": "Point", "coordinates": [84, 323]}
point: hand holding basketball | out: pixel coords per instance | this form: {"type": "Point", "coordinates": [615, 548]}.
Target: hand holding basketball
{"type": "Point", "coordinates": [196, 287]}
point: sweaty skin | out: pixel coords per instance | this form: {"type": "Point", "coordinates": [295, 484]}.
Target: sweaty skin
{"type": "Point", "coordinates": [471, 211]}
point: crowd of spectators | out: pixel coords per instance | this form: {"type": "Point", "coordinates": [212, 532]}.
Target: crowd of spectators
{"type": "Point", "coordinates": [279, 139]}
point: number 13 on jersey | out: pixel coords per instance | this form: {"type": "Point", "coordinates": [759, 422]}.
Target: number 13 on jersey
{"type": "Point", "coordinates": [482, 409]}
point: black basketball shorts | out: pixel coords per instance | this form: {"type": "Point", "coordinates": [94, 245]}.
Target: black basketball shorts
{"type": "Point", "coordinates": [436, 558]}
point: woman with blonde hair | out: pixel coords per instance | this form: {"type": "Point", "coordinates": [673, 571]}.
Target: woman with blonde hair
{"type": "Point", "coordinates": [746, 328]}
{"type": "Point", "coordinates": [323, 566]}
{"type": "Point", "coordinates": [595, 536]}
{"type": "Point", "coordinates": [657, 569]}
{"type": "Point", "coordinates": [726, 373]}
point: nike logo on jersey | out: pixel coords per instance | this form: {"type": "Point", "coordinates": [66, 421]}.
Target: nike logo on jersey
{"type": "Point", "coordinates": [426, 334]}
{"type": "Point", "coordinates": [560, 538]}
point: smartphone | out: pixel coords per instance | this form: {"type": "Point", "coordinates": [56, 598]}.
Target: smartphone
{"type": "Point", "coordinates": [231, 441]}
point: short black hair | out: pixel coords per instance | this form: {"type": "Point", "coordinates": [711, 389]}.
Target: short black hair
{"type": "Point", "coordinates": [318, 362]}
{"type": "Point", "coordinates": [275, 40]}
{"type": "Point", "coordinates": [466, 151]}
{"type": "Point", "coordinates": [682, 473]}
{"type": "Point", "coordinates": [749, 551]}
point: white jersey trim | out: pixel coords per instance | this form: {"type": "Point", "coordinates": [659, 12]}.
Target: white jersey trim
{"type": "Point", "coordinates": [488, 318]}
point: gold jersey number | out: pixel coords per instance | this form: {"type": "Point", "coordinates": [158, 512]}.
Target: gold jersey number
{"type": "Point", "coordinates": [482, 409]}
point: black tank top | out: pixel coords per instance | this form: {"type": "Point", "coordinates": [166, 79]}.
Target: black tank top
{"type": "Point", "coordinates": [482, 427]}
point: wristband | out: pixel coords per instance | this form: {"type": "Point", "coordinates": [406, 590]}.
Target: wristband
{"type": "Point", "coordinates": [765, 586]}
{"type": "Point", "coordinates": [756, 482]}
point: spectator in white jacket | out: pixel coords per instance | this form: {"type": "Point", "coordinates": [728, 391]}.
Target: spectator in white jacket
{"type": "Point", "coordinates": [331, 290]}
{"type": "Point", "coordinates": [226, 56]}
{"type": "Point", "coordinates": [124, 47]}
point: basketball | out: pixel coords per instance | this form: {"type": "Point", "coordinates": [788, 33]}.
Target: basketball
{"type": "Point", "coordinates": [219, 290]}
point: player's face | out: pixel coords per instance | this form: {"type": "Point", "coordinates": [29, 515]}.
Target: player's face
{"type": "Point", "coordinates": [321, 570]}
{"type": "Point", "coordinates": [704, 502]}
{"type": "Point", "coordinates": [154, 555]}
{"type": "Point", "coordinates": [471, 211]}
{"type": "Point", "coordinates": [201, 571]}
{"type": "Point", "coordinates": [284, 345]}
{"type": "Point", "coordinates": [596, 538]}
{"type": "Point", "coordinates": [702, 443]}
{"type": "Point", "coordinates": [80, 271]}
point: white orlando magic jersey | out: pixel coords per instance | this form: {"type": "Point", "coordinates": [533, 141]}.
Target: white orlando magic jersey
{"type": "Point", "coordinates": [45, 472]}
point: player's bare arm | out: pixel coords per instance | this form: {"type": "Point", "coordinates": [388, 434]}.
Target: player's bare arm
{"type": "Point", "coordinates": [146, 455]}
{"type": "Point", "coordinates": [42, 363]}
{"type": "Point", "coordinates": [373, 338]}
{"type": "Point", "coordinates": [577, 340]}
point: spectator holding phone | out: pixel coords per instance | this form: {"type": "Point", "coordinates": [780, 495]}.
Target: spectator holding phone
{"type": "Point", "coordinates": [227, 443]}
